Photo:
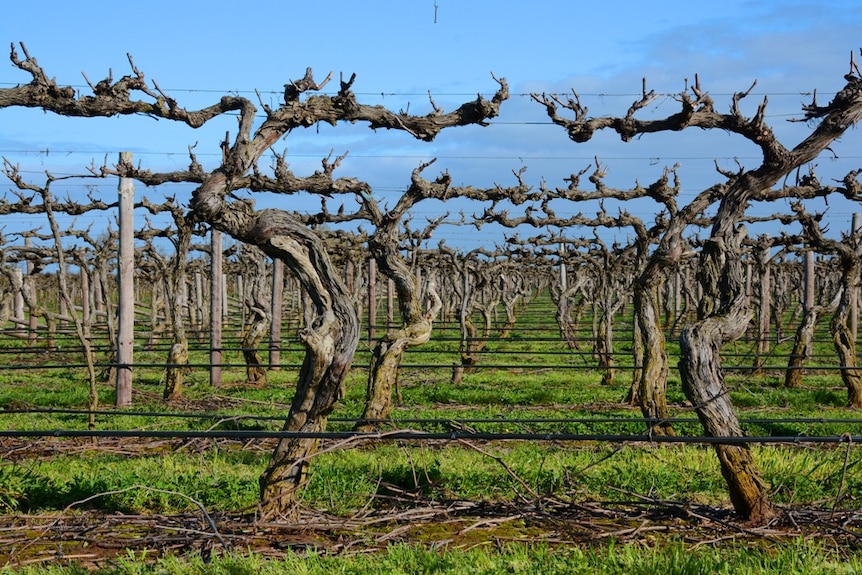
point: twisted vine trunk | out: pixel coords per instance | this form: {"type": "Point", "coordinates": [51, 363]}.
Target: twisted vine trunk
{"type": "Point", "coordinates": [332, 333]}
{"type": "Point", "coordinates": [511, 315]}
{"type": "Point", "coordinates": [330, 341]}
{"type": "Point", "coordinates": [605, 345]}
{"type": "Point", "coordinates": [389, 351]}
{"type": "Point", "coordinates": [802, 343]}
{"type": "Point", "coordinates": [257, 324]}
{"type": "Point", "coordinates": [178, 359]}
{"type": "Point", "coordinates": [651, 394]}
{"type": "Point", "coordinates": [845, 344]}
{"type": "Point", "coordinates": [848, 252]}
{"type": "Point", "coordinates": [330, 336]}
{"type": "Point", "coordinates": [724, 317]}
{"type": "Point", "coordinates": [723, 313]}
{"type": "Point", "coordinates": [178, 355]}
{"type": "Point", "coordinates": [471, 343]}
{"type": "Point", "coordinates": [568, 314]}
{"type": "Point", "coordinates": [252, 336]}
{"type": "Point", "coordinates": [801, 347]}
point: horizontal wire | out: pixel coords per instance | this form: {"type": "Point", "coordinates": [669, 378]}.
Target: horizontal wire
{"type": "Point", "coordinates": [589, 158]}
{"type": "Point", "coordinates": [421, 420]}
{"type": "Point", "coordinates": [385, 94]}
{"type": "Point", "coordinates": [410, 435]}
{"type": "Point", "coordinates": [474, 367]}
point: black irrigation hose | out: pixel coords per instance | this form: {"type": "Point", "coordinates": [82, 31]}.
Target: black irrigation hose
{"type": "Point", "coordinates": [401, 435]}
{"type": "Point", "coordinates": [419, 420]}
{"type": "Point", "coordinates": [521, 366]}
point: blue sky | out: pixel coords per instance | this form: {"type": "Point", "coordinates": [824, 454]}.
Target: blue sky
{"type": "Point", "coordinates": [198, 51]}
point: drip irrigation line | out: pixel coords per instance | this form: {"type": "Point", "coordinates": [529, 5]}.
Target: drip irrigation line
{"type": "Point", "coordinates": [488, 366]}
{"type": "Point", "coordinates": [410, 435]}
{"type": "Point", "coordinates": [157, 365]}
{"type": "Point", "coordinates": [421, 420]}
{"type": "Point", "coordinates": [415, 351]}
{"type": "Point", "coordinates": [618, 367]}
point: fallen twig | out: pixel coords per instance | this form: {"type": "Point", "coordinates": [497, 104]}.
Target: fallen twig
{"type": "Point", "coordinates": [66, 509]}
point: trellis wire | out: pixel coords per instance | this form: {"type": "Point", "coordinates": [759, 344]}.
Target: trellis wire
{"type": "Point", "coordinates": [419, 420]}
{"type": "Point", "coordinates": [401, 435]}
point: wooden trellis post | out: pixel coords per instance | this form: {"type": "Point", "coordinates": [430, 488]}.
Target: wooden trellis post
{"type": "Point", "coordinates": [277, 307]}
{"type": "Point", "coordinates": [390, 305]}
{"type": "Point", "coordinates": [18, 315]}
{"type": "Point", "coordinates": [32, 319]}
{"type": "Point", "coordinates": [216, 307]}
{"type": "Point", "coordinates": [856, 227]}
{"type": "Point", "coordinates": [86, 312]}
{"type": "Point", "coordinates": [808, 292]}
{"type": "Point", "coordinates": [564, 282]}
{"type": "Point", "coordinates": [372, 299]}
{"type": "Point", "coordinates": [126, 285]}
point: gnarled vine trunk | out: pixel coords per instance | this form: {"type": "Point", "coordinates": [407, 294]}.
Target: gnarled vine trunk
{"type": "Point", "coordinates": [389, 351]}
{"type": "Point", "coordinates": [415, 324]}
{"type": "Point", "coordinates": [724, 317]}
{"type": "Point", "coordinates": [803, 341]}
{"type": "Point", "coordinates": [651, 394]}
{"type": "Point", "coordinates": [848, 252]}
{"type": "Point", "coordinates": [842, 335]}
{"type": "Point", "coordinates": [178, 355]}
{"type": "Point", "coordinates": [330, 341]}
{"type": "Point", "coordinates": [330, 336]}
{"type": "Point", "coordinates": [257, 303]}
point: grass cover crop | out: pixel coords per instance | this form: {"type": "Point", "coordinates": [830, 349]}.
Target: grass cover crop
{"type": "Point", "coordinates": [171, 505]}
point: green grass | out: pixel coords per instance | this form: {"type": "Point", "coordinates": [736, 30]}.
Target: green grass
{"type": "Point", "coordinates": [141, 484]}
{"type": "Point", "coordinates": [513, 380]}
{"type": "Point", "coordinates": [343, 481]}
{"type": "Point", "coordinates": [802, 557]}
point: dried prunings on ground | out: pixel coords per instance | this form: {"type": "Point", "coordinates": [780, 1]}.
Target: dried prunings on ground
{"type": "Point", "coordinates": [93, 538]}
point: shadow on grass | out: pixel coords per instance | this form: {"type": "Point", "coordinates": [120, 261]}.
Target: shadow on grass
{"type": "Point", "coordinates": [830, 397]}
{"type": "Point", "coordinates": [41, 494]}
{"type": "Point", "coordinates": [411, 481]}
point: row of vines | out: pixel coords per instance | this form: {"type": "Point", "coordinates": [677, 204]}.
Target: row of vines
{"type": "Point", "coordinates": [329, 279]}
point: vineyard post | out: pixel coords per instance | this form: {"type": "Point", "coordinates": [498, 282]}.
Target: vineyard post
{"type": "Point", "coordinates": [276, 314]}
{"type": "Point", "coordinates": [29, 285]}
{"type": "Point", "coordinates": [763, 257]}
{"type": "Point", "coordinates": [855, 228]}
{"type": "Point", "coordinates": [349, 274]}
{"type": "Point", "coordinates": [86, 312]}
{"type": "Point", "coordinates": [390, 305]}
{"type": "Point", "coordinates": [216, 306]}
{"type": "Point", "coordinates": [372, 300]}
{"type": "Point", "coordinates": [564, 283]}
{"type": "Point", "coordinates": [808, 292]}
{"type": "Point", "coordinates": [18, 314]}
{"type": "Point", "coordinates": [241, 298]}
{"type": "Point", "coordinates": [126, 285]}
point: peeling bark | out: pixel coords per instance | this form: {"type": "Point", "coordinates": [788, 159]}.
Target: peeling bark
{"type": "Point", "coordinates": [845, 346]}
{"type": "Point", "coordinates": [652, 380]}
{"type": "Point", "coordinates": [389, 351]}
{"type": "Point", "coordinates": [723, 314]}
{"type": "Point", "coordinates": [330, 340]}
{"type": "Point", "coordinates": [848, 251]}
{"type": "Point", "coordinates": [725, 317]}
{"type": "Point", "coordinates": [802, 343]}
{"type": "Point", "coordinates": [257, 303]}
